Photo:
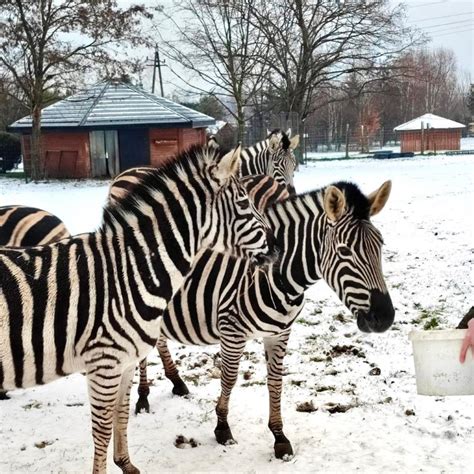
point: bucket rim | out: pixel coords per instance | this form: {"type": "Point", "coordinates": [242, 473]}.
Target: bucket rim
{"type": "Point", "coordinates": [437, 334]}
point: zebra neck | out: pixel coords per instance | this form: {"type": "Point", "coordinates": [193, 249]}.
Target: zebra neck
{"type": "Point", "coordinates": [256, 159]}
{"type": "Point", "coordinates": [152, 252]}
{"type": "Point", "coordinates": [296, 224]}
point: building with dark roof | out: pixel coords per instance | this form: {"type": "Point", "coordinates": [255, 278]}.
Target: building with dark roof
{"type": "Point", "coordinates": [111, 127]}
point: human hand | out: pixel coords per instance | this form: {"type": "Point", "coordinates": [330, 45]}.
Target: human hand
{"type": "Point", "coordinates": [467, 342]}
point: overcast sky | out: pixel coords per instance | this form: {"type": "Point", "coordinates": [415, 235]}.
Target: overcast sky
{"type": "Point", "coordinates": [450, 24]}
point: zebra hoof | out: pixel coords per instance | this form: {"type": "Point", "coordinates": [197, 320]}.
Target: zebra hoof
{"type": "Point", "coordinates": [127, 467]}
{"type": "Point", "coordinates": [142, 404]}
{"type": "Point", "coordinates": [224, 436]}
{"type": "Point", "coordinates": [283, 450]}
{"type": "Point", "coordinates": [4, 395]}
{"type": "Point", "coordinates": [180, 389]}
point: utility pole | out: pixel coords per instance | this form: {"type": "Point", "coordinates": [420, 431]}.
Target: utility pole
{"type": "Point", "coordinates": [157, 65]}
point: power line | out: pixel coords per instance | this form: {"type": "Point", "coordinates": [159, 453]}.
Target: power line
{"type": "Point", "coordinates": [449, 23]}
{"type": "Point", "coordinates": [452, 32]}
{"type": "Point", "coordinates": [426, 4]}
{"type": "Point", "coordinates": [451, 28]}
{"type": "Point", "coordinates": [440, 17]}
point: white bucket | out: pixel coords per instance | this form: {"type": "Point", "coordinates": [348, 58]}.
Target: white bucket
{"type": "Point", "coordinates": [437, 367]}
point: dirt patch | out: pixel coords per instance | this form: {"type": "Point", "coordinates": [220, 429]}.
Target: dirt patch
{"type": "Point", "coordinates": [181, 442]}
{"type": "Point", "coordinates": [306, 407]}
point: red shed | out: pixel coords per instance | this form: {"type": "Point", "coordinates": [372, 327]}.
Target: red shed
{"type": "Point", "coordinates": [111, 127]}
{"type": "Point", "coordinates": [430, 133]}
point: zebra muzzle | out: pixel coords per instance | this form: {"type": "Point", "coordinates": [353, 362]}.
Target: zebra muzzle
{"type": "Point", "coordinates": [380, 315]}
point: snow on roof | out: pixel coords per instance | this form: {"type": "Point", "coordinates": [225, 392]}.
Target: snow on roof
{"type": "Point", "coordinates": [113, 104]}
{"type": "Point", "coordinates": [429, 120]}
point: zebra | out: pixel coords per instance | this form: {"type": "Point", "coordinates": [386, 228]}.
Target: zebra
{"type": "Point", "coordinates": [22, 226]}
{"type": "Point", "coordinates": [273, 156]}
{"type": "Point", "coordinates": [326, 234]}
{"type": "Point", "coordinates": [94, 302]}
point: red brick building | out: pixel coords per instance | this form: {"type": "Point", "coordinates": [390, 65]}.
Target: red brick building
{"type": "Point", "coordinates": [109, 128]}
{"type": "Point", "coordinates": [429, 133]}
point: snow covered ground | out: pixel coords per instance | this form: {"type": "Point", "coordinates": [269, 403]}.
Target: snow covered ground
{"type": "Point", "coordinates": [428, 261]}
{"type": "Point", "coordinates": [467, 143]}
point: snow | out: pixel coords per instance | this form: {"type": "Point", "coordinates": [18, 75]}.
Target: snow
{"type": "Point", "coordinates": [429, 120]}
{"type": "Point", "coordinates": [428, 262]}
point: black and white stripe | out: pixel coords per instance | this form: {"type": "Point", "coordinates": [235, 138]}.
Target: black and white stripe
{"type": "Point", "coordinates": [23, 226]}
{"type": "Point", "coordinates": [93, 302]}
{"type": "Point", "coordinates": [322, 234]}
{"type": "Point", "coordinates": [273, 156]}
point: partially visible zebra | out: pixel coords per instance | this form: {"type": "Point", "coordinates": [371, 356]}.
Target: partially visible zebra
{"type": "Point", "coordinates": [94, 302]}
{"type": "Point", "coordinates": [273, 156]}
{"type": "Point", "coordinates": [322, 234]}
{"type": "Point", "coordinates": [23, 226]}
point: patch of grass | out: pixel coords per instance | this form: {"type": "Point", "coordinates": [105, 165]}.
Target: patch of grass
{"type": "Point", "coordinates": [429, 317]}
{"type": "Point", "coordinates": [307, 322]}
{"type": "Point", "coordinates": [14, 175]}
{"type": "Point", "coordinates": [432, 323]}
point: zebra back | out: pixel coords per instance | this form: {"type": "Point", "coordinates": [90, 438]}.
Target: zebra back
{"type": "Point", "coordinates": [22, 226]}
{"type": "Point", "coordinates": [124, 182]}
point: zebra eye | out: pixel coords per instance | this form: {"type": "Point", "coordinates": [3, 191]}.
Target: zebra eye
{"type": "Point", "coordinates": [243, 204]}
{"type": "Point", "coordinates": [344, 251]}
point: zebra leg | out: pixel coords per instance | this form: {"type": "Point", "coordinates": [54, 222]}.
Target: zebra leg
{"type": "Point", "coordinates": [231, 352]}
{"type": "Point", "coordinates": [4, 395]}
{"type": "Point", "coordinates": [171, 371]}
{"type": "Point", "coordinates": [120, 423]}
{"type": "Point", "coordinates": [143, 389]}
{"type": "Point", "coordinates": [275, 350]}
{"type": "Point", "coordinates": [103, 384]}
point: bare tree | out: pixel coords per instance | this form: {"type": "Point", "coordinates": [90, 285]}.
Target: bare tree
{"type": "Point", "coordinates": [219, 46]}
{"type": "Point", "coordinates": [317, 44]}
{"type": "Point", "coordinates": [44, 42]}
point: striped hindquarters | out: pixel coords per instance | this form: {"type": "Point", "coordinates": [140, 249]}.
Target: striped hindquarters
{"type": "Point", "coordinates": [22, 226]}
{"type": "Point", "coordinates": [126, 181]}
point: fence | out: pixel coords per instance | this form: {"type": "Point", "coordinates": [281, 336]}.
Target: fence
{"type": "Point", "coordinates": [315, 140]}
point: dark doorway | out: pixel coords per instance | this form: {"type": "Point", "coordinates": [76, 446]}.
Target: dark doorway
{"type": "Point", "coordinates": [134, 148]}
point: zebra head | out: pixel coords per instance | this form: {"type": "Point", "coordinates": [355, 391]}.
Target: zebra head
{"type": "Point", "coordinates": [239, 227]}
{"type": "Point", "coordinates": [282, 158]}
{"type": "Point", "coordinates": [351, 254]}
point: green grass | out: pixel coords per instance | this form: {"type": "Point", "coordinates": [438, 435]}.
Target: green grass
{"type": "Point", "coordinates": [13, 175]}
{"type": "Point", "coordinates": [430, 318]}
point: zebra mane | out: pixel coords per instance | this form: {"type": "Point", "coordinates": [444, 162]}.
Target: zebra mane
{"type": "Point", "coordinates": [193, 161]}
{"type": "Point", "coordinates": [356, 200]}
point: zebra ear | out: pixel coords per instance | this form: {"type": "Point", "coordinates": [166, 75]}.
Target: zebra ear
{"type": "Point", "coordinates": [334, 203]}
{"type": "Point", "coordinates": [294, 142]}
{"type": "Point", "coordinates": [274, 143]}
{"type": "Point", "coordinates": [288, 133]}
{"type": "Point", "coordinates": [378, 198]}
{"type": "Point", "coordinates": [229, 165]}
{"type": "Point", "coordinates": [269, 132]}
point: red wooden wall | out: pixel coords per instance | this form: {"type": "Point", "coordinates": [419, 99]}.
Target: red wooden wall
{"type": "Point", "coordinates": [67, 154]}
{"type": "Point", "coordinates": [434, 140]}
{"type": "Point", "coordinates": [165, 143]}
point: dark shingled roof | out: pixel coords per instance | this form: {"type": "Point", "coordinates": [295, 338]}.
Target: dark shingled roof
{"type": "Point", "coordinates": [114, 105]}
